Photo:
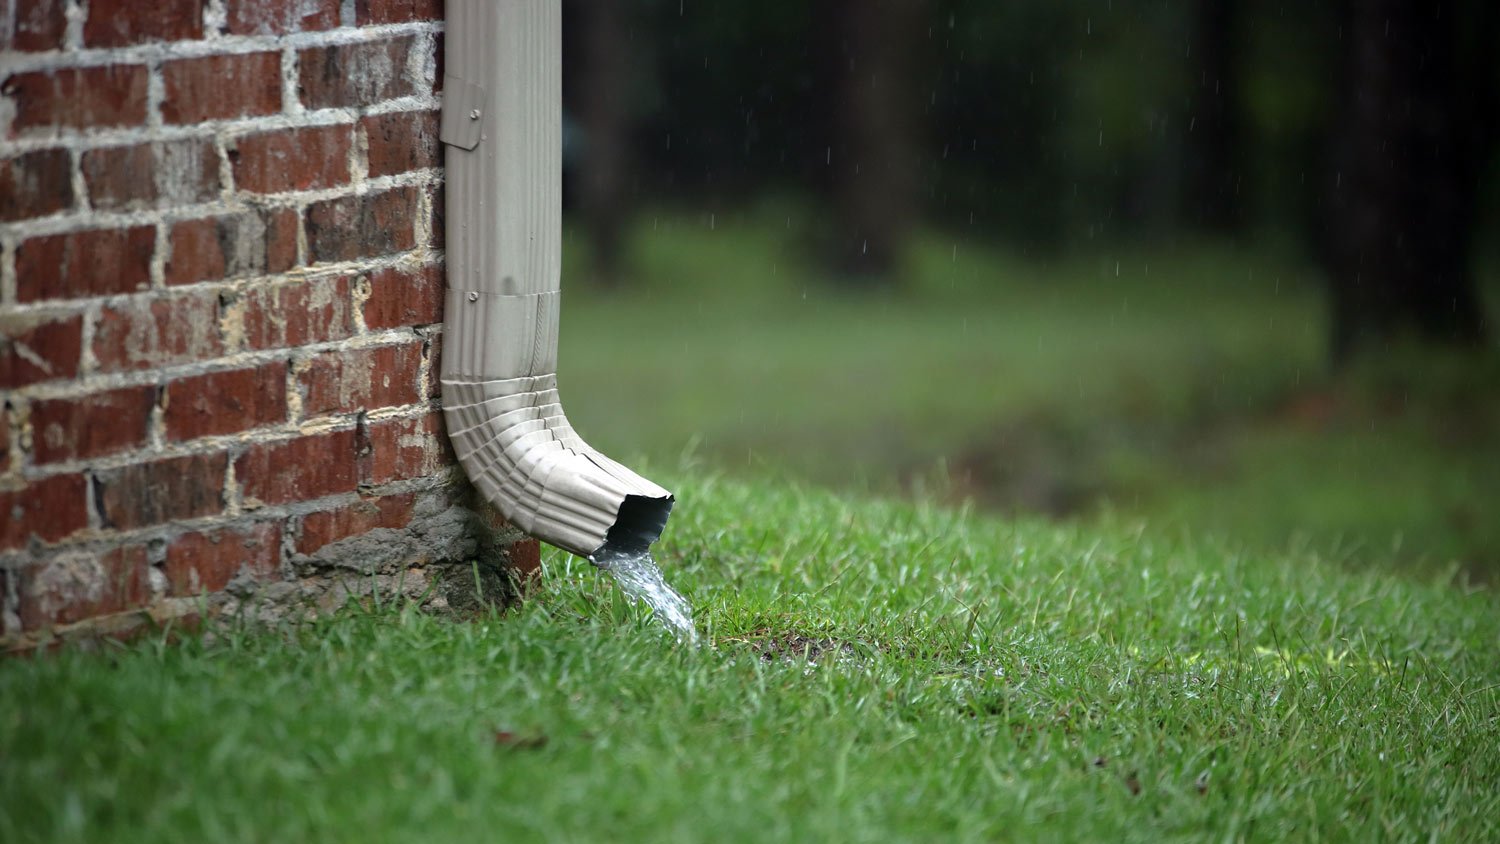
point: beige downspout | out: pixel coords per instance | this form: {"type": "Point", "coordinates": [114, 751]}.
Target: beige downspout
{"type": "Point", "coordinates": [502, 127]}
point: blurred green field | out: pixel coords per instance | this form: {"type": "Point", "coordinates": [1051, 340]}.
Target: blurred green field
{"type": "Point", "coordinates": [1182, 387]}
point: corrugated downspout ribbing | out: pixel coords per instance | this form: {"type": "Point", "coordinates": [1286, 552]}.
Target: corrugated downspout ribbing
{"type": "Point", "coordinates": [501, 125]}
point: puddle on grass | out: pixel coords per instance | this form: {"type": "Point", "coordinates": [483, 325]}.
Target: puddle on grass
{"type": "Point", "coordinates": [640, 579]}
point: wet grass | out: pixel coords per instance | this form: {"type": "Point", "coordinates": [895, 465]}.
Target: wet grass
{"type": "Point", "coordinates": [1184, 387]}
{"type": "Point", "coordinates": [973, 679]}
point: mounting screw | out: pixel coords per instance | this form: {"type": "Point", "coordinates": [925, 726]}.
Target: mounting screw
{"type": "Point", "coordinates": [474, 114]}
{"type": "Point", "coordinates": [473, 297]}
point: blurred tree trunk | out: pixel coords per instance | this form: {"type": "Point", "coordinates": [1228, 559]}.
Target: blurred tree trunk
{"type": "Point", "coordinates": [1409, 147]}
{"type": "Point", "coordinates": [870, 46]}
{"type": "Point", "coordinates": [1215, 129]}
{"type": "Point", "coordinates": [603, 95]}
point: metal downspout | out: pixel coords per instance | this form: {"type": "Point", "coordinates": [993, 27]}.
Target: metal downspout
{"type": "Point", "coordinates": [501, 127]}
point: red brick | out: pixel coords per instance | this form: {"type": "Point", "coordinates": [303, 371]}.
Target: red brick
{"type": "Point", "coordinates": [297, 470]}
{"type": "Point", "coordinates": [225, 402]}
{"type": "Point", "coordinates": [161, 491]}
{"type": "Point", "coordinates": [200, 249]}
{"type": "Point", "coordinates": [347, 380]}
{"type": "Point", "coordinates": [101, 262]}
{"type": "Point", "coordinates": [329, 526]}
{"type": "Point", "coordinates": [90, 426]}
{"type": "Point", "coordinates": [439, 211]}
{"type": "Point", "coordinates": [147, 175]}
{"type": "Point", "coordinates": [367, 12]}
{"type": "Point", "coordinates": [282, 228]}
{"type": "Point", "coordinates": [221, 87]}
{"type": "Point", "coordinates": [353, 227]}
{"type": "Point", "coordinates": [402, 141]}
{"type": "Point", "coordinates": [4, 439]}
{"type": "Point", "coordinates": [435, 366]}
{"type": "Point", "coordinates": [206, 561]}
{"type": "Point", "coordinates": [51, 509]}
{"type": "Point", "coordinates": [230, 246]}
{"type": "Point", "coordinates": [38, 349]}
{"type": "Point", "coordinates": [120, 23]}
{"type": "Point", "coordinates": [401, 297]}
{"type": "Point", "coordinates": [81, 584]}
{"type": "Point", "coordinates": [292, 159]}
{"type": "Point", "coordinates": [278, 17]}
{"type": "Point", "coordinates": [400, 449]}
{"type": "Point", "coordinates": [78, 98]}
{"type": "Point", "coordinates": [525, 558]}
{"type": "Point", "coordinates": [39, 25]}
{"type": "Point", "coordinates": [351, 75]}
{"type": "Point", "coordinates": [35, 184]}
{"type": "Point", "coordinates": [297, 314]}
{"type": "Point", "coordinates": [158, 332]}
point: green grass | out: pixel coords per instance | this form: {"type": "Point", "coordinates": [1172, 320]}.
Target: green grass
{"type": "Point", "coordinates": [994, 680]}
{"type": "Point", "coordinates": [1185, 387]}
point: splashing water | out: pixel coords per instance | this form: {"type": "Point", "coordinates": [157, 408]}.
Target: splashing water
{"type": "Point", "coordinates": [640, 579]}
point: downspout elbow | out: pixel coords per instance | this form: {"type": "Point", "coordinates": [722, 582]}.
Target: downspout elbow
{"type": "Point", "coordinates": [501, 130]}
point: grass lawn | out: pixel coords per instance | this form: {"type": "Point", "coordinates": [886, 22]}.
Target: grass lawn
{"type": "Point", "coordinates": [972, 678]}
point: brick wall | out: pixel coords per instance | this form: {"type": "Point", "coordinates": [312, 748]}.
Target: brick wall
{"type": "Point", "coordinates": [220, 301]}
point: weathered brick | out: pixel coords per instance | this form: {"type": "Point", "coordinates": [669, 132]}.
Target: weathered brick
{"type": "Point", "coordinates": [353, 227]}
{"type": "Point", "coordinates": [367, 12]}
{"type": "Point", "coordinates": [38, 26]}
{"type": "Point", "coordinates": [230, 245]}
{"type": "Point", "coordinates": [161, 491]}
{"type": "Point", "coordinates": [51, 509]}
{"type": "Point", "coordinates": [206, 561]}
{"type": "Point", "coordinates": [120, 23]}
{"type": "Point", "coordinates": [329, 526]}
{"type": "Point", "coordinates": [221, 87]}
{"type": "Point", "coordinates": [282, 228]}
{"type": "Point", "coordinates": [304, 158]}
{"type": "Point", "coordinates": [76, 265]}
{"type": "Point", "coordinates": [297, 470]}
{"type": "Point", "coordinates": [201, 249]}
{"type": "Point", "coordinates": [35, 184]}
{"type": "Point", "coordinates": [90, 426]}
{"type": "Point", "coordinates": [296, 314]}
{"type": "Point", "coordinates": [439, 211]}
{"type": "Point", "coordinates": [128, 178]}
{"type": "Point", "coordinates": [4, 439]}
{"type": "Point", "coordinates": [353, 75]}
{"type": "Point", "coordinates": [525, 558]}
{"type": "Point", "coordinates": [79, 584]}
{"type": "Point", "coordinates": [34, 349]}
{"type": "Point", "coordinates": [158, 332]}
{"type": "Point", "coordinates": [77, 98]}
{"type": "Point", "coordinates": [225, 402]}
{"type": "Point", "coordinates": [278, 17]}
{"type": "Point", "coordinates": [347, 380]}
{"type": "Point", "coordinates": [434, 366]}
{"type": "Point", "coordinates": [401, 449]}
{"type": "Point", "coordinates": [401, 297]}
{"type": "Point", "coordinates": [402, 141]}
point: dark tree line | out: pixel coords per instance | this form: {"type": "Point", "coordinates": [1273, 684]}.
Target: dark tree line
{"type": "Point", "coordinates": [1413, 138]}
{"type": "Point", "coordinates": [1365, 128]}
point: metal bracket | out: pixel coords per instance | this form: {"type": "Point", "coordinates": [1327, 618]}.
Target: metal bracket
{"type": "Point", "coordinates": [463, 113]}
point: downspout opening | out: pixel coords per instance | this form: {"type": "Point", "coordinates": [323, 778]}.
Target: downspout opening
{"type": "Point", "coordinates": [640, 523]}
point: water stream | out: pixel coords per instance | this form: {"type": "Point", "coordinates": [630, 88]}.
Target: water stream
{"type": "Point", "coordinates": [640, 579]}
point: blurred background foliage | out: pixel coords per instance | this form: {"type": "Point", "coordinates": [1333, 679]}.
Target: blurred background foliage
{"type": "Point", "coordinates": [1208, 265]}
